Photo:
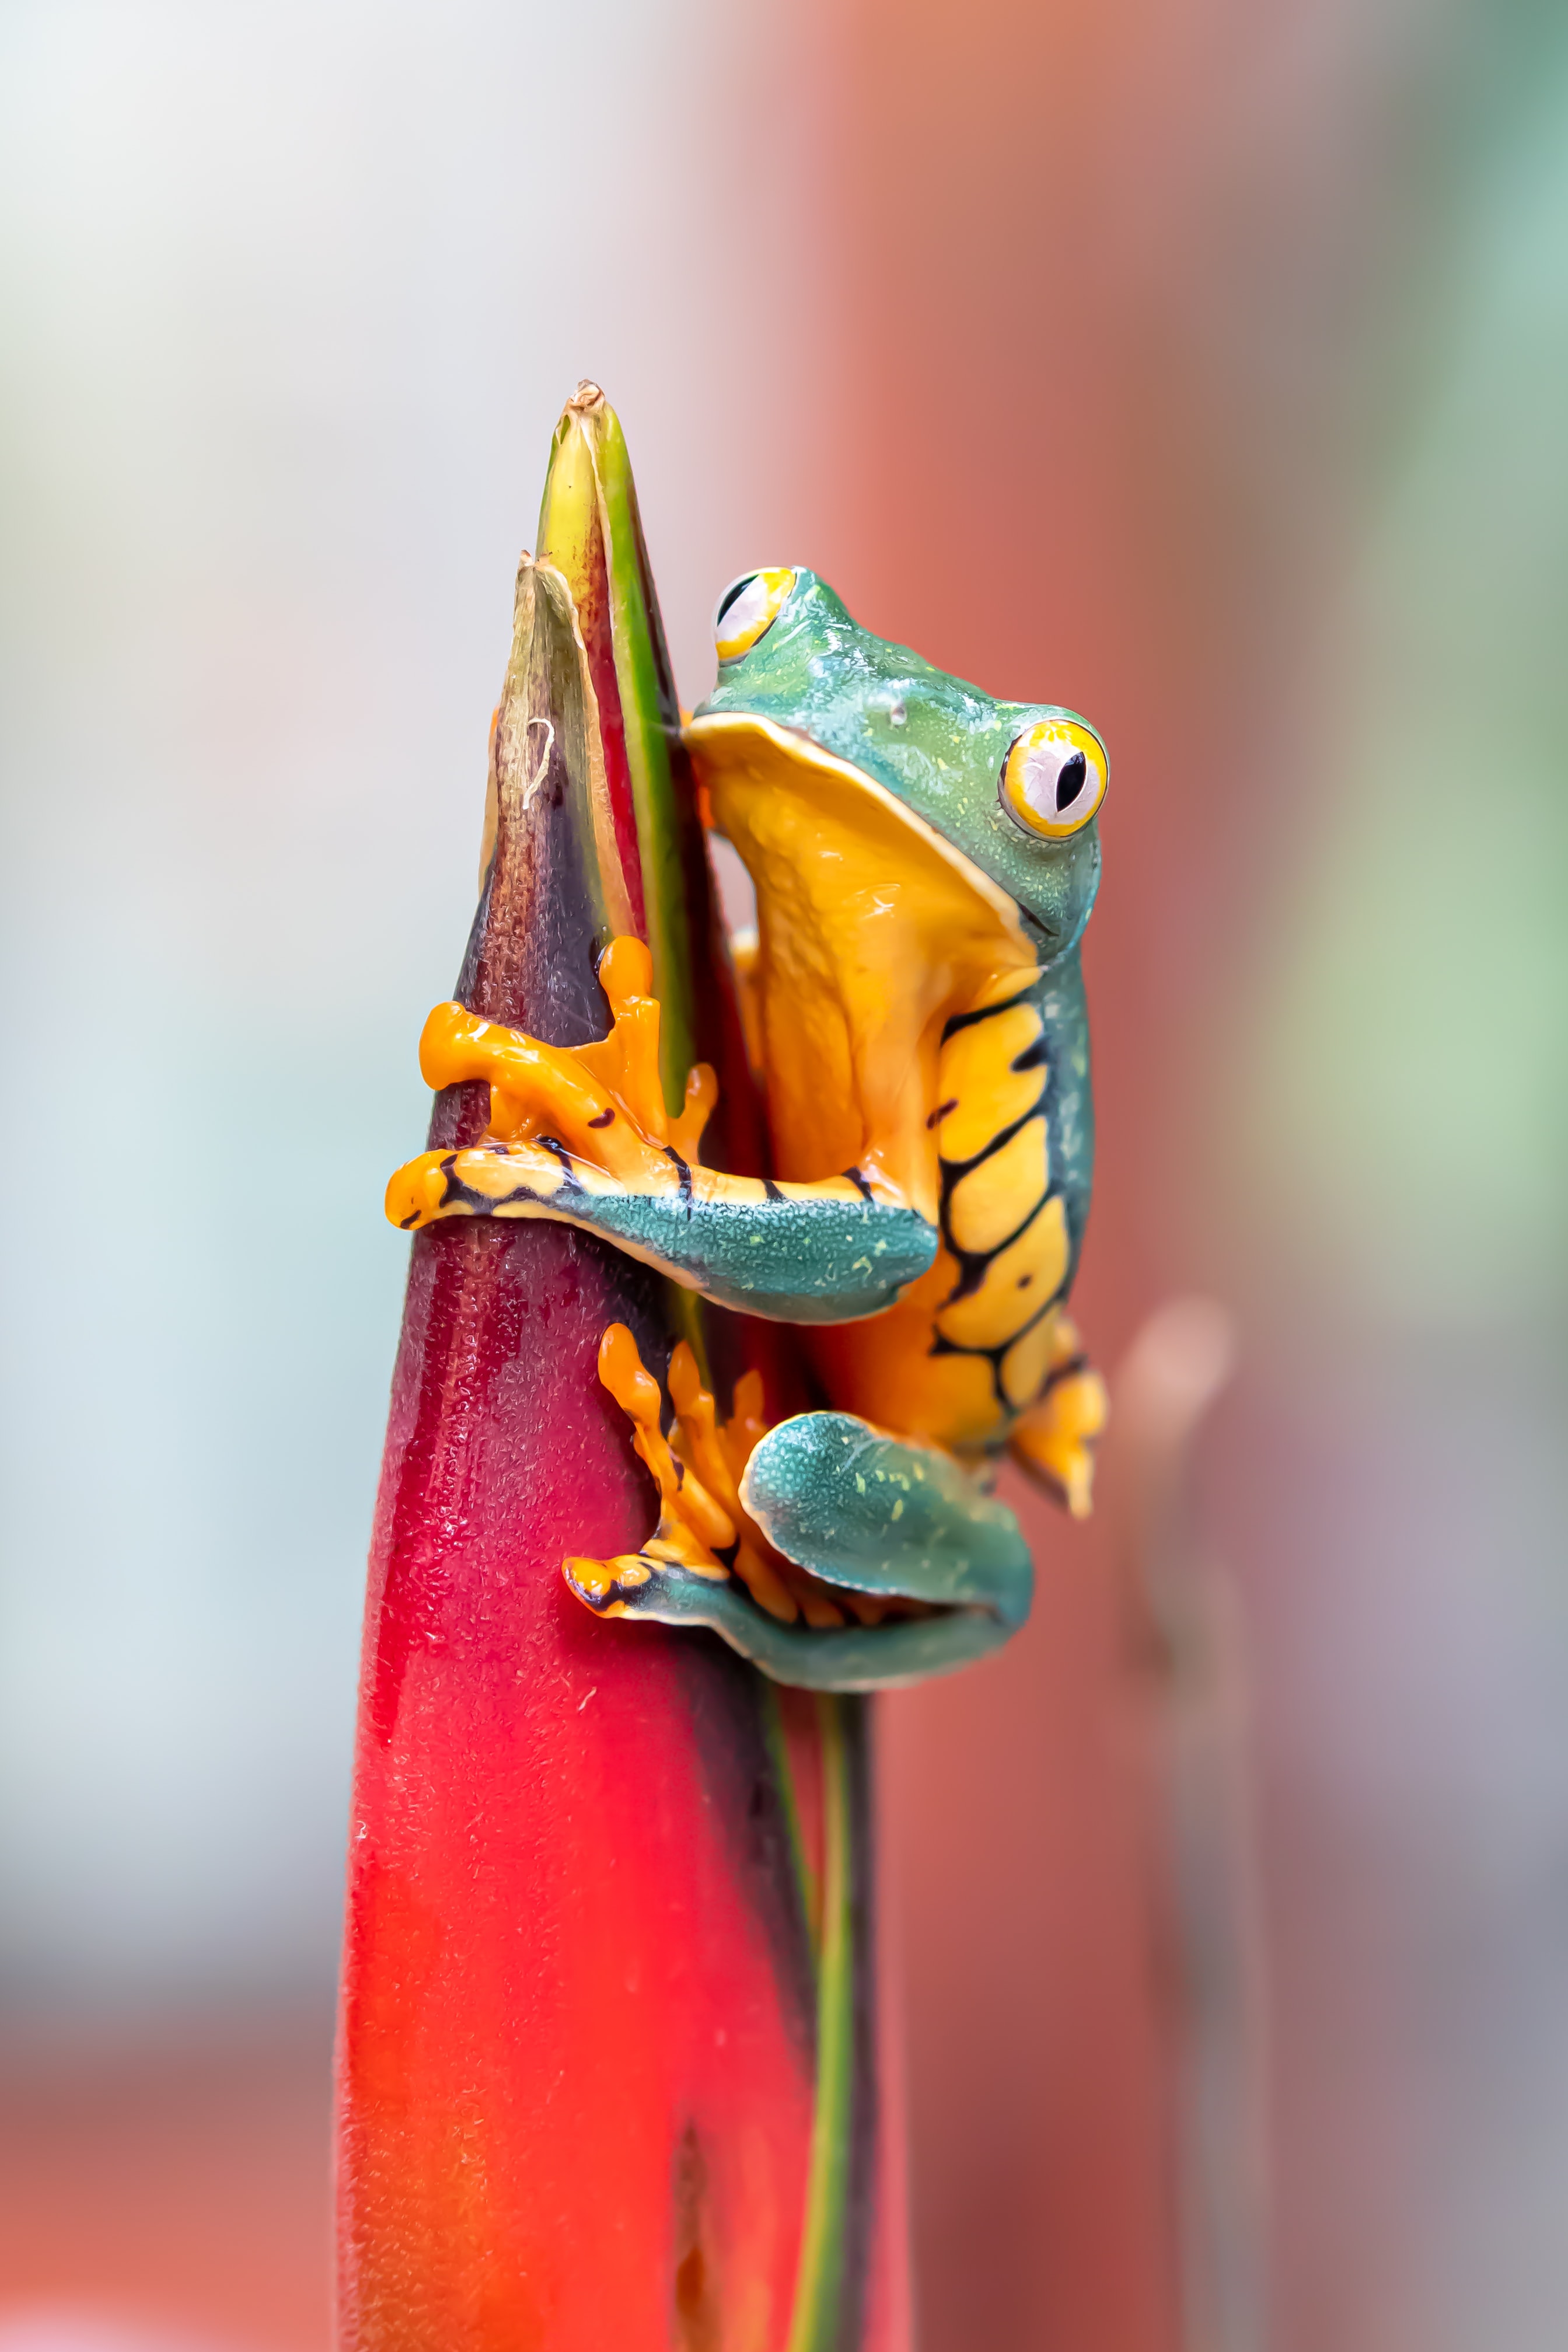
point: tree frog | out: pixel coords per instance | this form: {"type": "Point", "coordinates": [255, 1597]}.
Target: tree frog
{"type": "Point", "coordinates": [925, 860]}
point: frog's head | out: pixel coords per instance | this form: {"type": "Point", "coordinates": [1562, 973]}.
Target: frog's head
{"type": "Point", "coordinates": [1013, 787]}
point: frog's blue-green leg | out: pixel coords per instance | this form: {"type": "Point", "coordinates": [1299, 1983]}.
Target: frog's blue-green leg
{"type": "Point", "coordinates": [583, 1134]}
{"type": "Point", "coordinates": [823, 1253]}
{"type": "Point", "coordinates": [869, 1515]}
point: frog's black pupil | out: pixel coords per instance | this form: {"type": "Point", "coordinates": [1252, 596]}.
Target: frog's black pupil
{"type": "Point", "coordinates": [730, 594]}
{"type": "Point", "coordinates": [1069, 780]}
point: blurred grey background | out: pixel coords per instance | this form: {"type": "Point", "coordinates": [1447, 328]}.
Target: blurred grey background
{"type": "Point", "coordinates": [293, 296]}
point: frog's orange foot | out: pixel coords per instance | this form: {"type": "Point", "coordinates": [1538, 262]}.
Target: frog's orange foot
{"type": "Point", "coordinates": [1054, 1441]}
{"type": "Point", "coordinates": [603, 1102]}
{"type": "Point", "coordinates": [705, 1531]}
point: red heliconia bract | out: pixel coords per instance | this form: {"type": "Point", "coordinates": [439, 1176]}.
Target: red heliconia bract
{"type": "Point", "coordinates": [609, 2070]}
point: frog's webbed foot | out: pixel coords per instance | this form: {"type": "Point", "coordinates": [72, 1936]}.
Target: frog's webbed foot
{"type": "Point", "coordinates": [830, 1555]}
{"type": "Point", "coordinates": [602, 1103]}
{"type": "Point", "coordinates": [1054, 1441]}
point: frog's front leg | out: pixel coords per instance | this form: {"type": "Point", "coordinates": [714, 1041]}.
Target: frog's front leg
{"type": "Point", "coordinates": [855, 1562]}
{"type": "Point", "coordinates": [581, 1133]}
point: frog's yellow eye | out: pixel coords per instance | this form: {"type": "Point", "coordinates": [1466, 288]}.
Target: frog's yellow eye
{"type": "Point", "coordinates": [749, 607]}
{"type": "Point", "coordinates": [1053, 777]}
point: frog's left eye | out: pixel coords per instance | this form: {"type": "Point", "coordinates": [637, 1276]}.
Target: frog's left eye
{"type": "Point", "coordinates": [1053, 777]}
{"type": "Point", "coordinates": [749, 607]}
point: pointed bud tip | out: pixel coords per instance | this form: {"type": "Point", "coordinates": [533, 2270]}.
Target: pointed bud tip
{"type": "Point", "coordinates": [587, 396]}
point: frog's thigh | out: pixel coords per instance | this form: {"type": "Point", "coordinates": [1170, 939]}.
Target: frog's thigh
{"type": "Point", "coordinates": [866, 1512]}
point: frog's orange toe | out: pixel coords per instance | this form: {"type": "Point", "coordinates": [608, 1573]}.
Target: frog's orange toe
{"type": "Point", "coordinates": [417, 1190]}
{"type": "Point", "coordinates": [1055, 1441]}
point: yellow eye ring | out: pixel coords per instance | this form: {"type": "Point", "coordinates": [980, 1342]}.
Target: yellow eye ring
{"type": "Point", "coordinates": [1053, 777]}
{"type": "Point", "coordinates": [747, 609]}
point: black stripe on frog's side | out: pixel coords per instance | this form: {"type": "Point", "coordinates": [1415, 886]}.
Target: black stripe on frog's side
{"type": "Point", "coordinates": [942, 1346]}
{"type": "Point", "coordinates": [957, 1021]}
{"type": "Point", "coordinates": [972, 1264]}
{"type": "Point", "coordinates": [1063, 1103]}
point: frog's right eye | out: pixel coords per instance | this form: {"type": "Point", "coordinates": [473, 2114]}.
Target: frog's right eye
{"type": "Point", "coordinates": [748, 607]}
{"type": "Point", "coordinates": [1053, 777]}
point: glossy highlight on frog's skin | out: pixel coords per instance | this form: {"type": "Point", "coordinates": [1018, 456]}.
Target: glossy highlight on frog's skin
{"type": "Point", "coordinates": [925, 859]}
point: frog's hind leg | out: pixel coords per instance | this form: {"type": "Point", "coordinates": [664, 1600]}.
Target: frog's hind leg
{"type": "Point", "coordinates": [870, 1514]}
{"type": "Point", "coordinates": [898, 1533]}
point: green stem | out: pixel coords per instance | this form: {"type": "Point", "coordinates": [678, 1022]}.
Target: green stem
{"type": "Point", "coordinates": [814, 2325]}
{"type": "Point", "coordinates": [784, 1771]}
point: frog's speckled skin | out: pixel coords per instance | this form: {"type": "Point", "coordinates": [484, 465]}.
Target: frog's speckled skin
{"type": "Point", "coordinates": [917, 1009]}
